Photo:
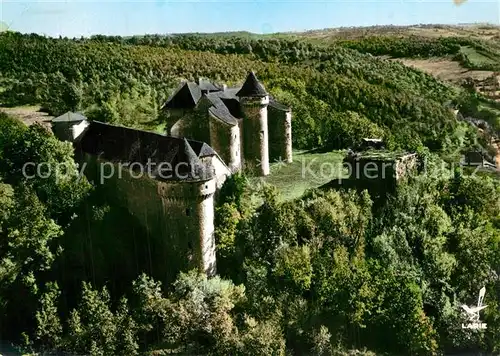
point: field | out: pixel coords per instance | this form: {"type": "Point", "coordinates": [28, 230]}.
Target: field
{"type": "Point", "coordinates": [484, 32]}
{"type": "Point", "coordinates": [445, 69]}
{"type": "Point", "coordinates": [307, 171]}
{"type": "Point", "coordinates": [480, 61]}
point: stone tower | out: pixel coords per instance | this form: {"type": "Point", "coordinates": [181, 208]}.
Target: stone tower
{"type": "Point", "coordinates": [190, 204]}
{"type": "Point", "coordinates": [254, 101]}
{"type": "Point", "coordinates": [166, 183]}
{"type": "Point", "coordinates": [69, 126]}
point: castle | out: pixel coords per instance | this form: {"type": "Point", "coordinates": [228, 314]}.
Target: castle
{"type": "Point", "coordinates": [243, 124]}
{"type": "Point", "coordinates": [374, 168]}
{"type": "Point", "coordinates": [168, 182]}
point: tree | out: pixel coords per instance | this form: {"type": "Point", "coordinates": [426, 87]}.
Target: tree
{"type": "Point", "coordinates": [49, 326]}
{"type": "Point", "coordinates": [34, 157]}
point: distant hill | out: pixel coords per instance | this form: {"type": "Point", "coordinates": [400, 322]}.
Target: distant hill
{"type": "Point", "coordinates": [339, 90]}
{"type": "Point", "coordinates": [471, 30]}
{"type": "Point", "coordinates": [474, 46]}
{"type": "Point", "coordinates": [480, 31]}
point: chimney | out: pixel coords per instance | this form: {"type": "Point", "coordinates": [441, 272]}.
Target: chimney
{"type": "Point", "coordinates": [224, 87]}
{"type": "Point", "coordinates": [200, 79]}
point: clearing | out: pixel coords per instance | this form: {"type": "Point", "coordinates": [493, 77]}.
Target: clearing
{"type": "Point", "coordinates": [444, 69]}
{"type": "Point", "coordinates": [308, 170]}
{"type": "Point", "coordinates": [28, 114]}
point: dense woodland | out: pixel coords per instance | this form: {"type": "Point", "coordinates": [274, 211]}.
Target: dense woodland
{"type": "Point", "coordinates": [329, 272]}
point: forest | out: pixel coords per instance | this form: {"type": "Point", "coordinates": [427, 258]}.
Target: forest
{"type": "Point", "coordinates": [334, 272]}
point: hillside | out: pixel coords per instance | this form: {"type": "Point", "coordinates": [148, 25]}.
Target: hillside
{"type": "Point", "coordinates": [301, 270]}
{"type": "Point", "coordinates": [126, 80]}
{"type": "Point", "coordinates": [477, 46]}
{"type": "Point", "coordinates": [466, 55]}
{"type": "Point", "coordinates": [475, 31]}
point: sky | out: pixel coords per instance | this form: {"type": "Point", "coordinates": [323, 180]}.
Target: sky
{"type": "Point", "coordinates": [75, 18]}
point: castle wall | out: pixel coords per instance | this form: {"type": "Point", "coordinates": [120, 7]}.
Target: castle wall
{"type": "Point", "coordinates": [380, 170]}
{"type": "Point", "coordinates": [370, 169]}
{"type": "Point", "coordinates": [256, 135]}
{"type": "Point", "coordinates": [235, 149]}
{"type": "Point", "coordinates": [280, 134]}
{"type": "Point", "coordinates": [171, 116]}
{"type": "Point", "coordinates": [179, 128]}
{"type": "Point", "coordinates": [221, 170]}
{"type": "Point", "coordinates": [177, 215]}
{"type": "Point", "coordinates": [205, 215]}
{"type": "Point", "coordinates": [195, 123]}
{"type": "Point", "coordinates": [241, 143]}
{"type": "Point", "coordinates": [225, 140]}
{"type": "Point", "coordinates": [406, 165]}
{"type": "Point", "coordinates": [194, 126]}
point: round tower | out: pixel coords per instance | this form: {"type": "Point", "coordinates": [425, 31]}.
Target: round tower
{"type": "Point", "coordinates": [188, 219]}
{"type": "Point", "coordinates": [188, 206]}
{"type": "Point", "coordinates": [254, 101]}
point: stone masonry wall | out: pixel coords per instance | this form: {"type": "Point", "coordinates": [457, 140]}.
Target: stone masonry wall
{"type": "Point", "coordinates": [369, 169]}
{"type": "Point", "coordinates": [280, 135]}
{"type": "Point", "coordinates": [235, 149]}
{"type": "Point", "coordinates": [194, 124]}
{"type": "Point", "coordinates": [406, 165]}
{"type": "Point", "coordinates": [171, 116]}
{"type": "Point", "coordinates": [225, 140]}
{"type": "Point", "coordinates": [256, 135]}
{"type": "Point", "coordinates": [177, 216]}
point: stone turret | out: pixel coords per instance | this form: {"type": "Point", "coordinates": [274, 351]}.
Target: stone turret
{"type": "Point", "coordinates": [254, 101]}
{"type": "Point", "coordinates": [69, 126]}
{"type": "Point", "coordinates": [193, 206]}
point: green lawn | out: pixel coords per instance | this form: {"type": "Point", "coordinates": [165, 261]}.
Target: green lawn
{"type": "Point", "coordinates": [308, 170]}
{"type": "Point", "coordinates": [479, 59]}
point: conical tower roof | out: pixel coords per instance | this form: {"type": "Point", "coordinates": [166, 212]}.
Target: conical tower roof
{"type": "Point", "coordinates": [189, 156]}
{"type": "Point", "coordinates": [252, 87]}
{"type": "Point", "coordinates": [195, 169]}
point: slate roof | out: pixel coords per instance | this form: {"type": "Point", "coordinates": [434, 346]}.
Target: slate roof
{"type": "Point", "coordinates": [219, 108]}
{"type": "Point", "coordinates": [233, 105]}
{"type": "Point", "coordinates": [206, 85]}
{"type": "Point", "coordinates": [252, 87]}
{"type": "Point", "coordinates": [70, 117]}
{"type": "Point", "coordinates": [180, 157]}
{"type": "Point", "coordinates": [185, 97]}
{"type": "Point", "coordinates": [273, 103]}
{"type": "Point", "coordinates": [223, 114]}
{"type": "Point", "coordinates": [226, 103]}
